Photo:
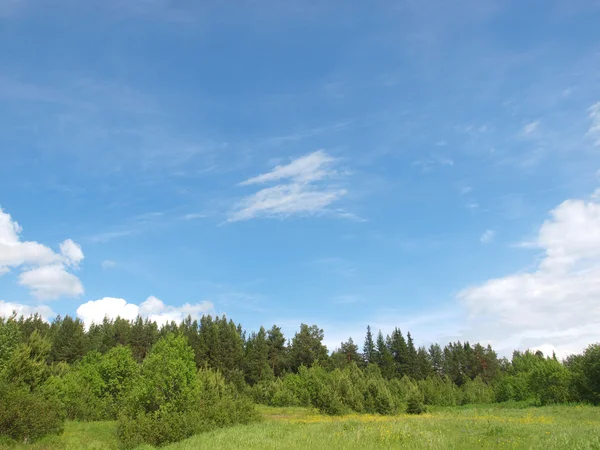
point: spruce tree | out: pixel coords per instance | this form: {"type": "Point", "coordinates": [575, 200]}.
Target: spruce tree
{"type": "Point", "coordinates": [385, 360]}
{"type": "Point", "coordinates": [411, 357]}
{"type": "Point", "coordinates": [369, 347]}
{"type": "Point", "coordinates": [399, 350]}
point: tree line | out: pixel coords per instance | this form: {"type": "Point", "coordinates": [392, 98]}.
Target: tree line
{"type": "Point", "coordinates": [166, 383]}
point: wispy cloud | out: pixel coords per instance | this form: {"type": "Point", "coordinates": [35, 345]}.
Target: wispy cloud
{"type": "Point", "coordinates": [193, 216]}
{"type": "Point", "coordinates": [427, 165]}
{"type": "Point", "coordinates": [305, 169]}
{"type": "Point", "coordinates": [487, 236]}
{"type": "Point", "coordinates": [103, 238]}
{"type": "Point", "coordinates": [308, 188]}
{"type": "Point", "coordinates": [108, 264]}
{"type": "Point", "coordinates": [594, 131]}
{"type": "Point", "coordinates": [336, 266]}
{"type": "Point", "coordinates": [530, 128]}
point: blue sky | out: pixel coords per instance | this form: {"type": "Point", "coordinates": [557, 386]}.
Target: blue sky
{"type": "Point", "coordinates": [418, 164]}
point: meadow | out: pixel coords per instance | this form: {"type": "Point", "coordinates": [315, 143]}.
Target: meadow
{"type": "Point", "coordinates": [500, 426]}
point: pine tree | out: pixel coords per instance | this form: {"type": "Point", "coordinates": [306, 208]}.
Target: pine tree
{"type": "Point", "coordinates": [436, 356]}
{"type": "Point", "coordinates": [257, 366]}
{"type": "Point", "coordinates": [277, 350]}
{"type": "Point", "coordinates": [69, 341]}
{"type": "Point", "coordinates": [307, 347]}
{"type": "Point", "coordinates": [369, 347]}
{"type": "Point", "coordinates": [385, 360]}
{"type": "Point", "coordinates": [424, 367]}
{"type": "Point", "coordinates": [350, 351]}
{"type": "Point", "coordinates": [399, 350]}
{"type": "Point", "coordinates": [411, 357]}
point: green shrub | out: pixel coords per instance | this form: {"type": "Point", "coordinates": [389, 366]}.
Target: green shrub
{"type": "Point", "coordinates": [27, 416]}
{"type": "Point", "coordinates": [171, 401]}
{"type": "Point", "coordinates": [476, 391]}
{"type": "Point", "coordinates": [439, 391]}
{"type": "Point", "coordinates": [549, 382]}
{"type": "Point", "coordinates": [378, 398]}
{"type": "Point", "coordinates": [415, 405]}
{"type": "Point", "coordinates": [83, 391]}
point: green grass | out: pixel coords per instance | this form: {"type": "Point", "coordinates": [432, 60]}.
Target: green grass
{"type": "Point", "coordinates": [77, 436]}
{"type": "Point", "coordinates": [495, 426]}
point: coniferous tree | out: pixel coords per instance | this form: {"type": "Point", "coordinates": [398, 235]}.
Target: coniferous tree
{"type": "Point", "coordinates": [69, 340]}
{"type": "Point", "coordinates": [350, 351]}
{"type": "Point", "coordinates": [257, 366]}
{"type": "Point", "coordinates": [307, 347]}
{"type": "Point", "coordinates": [277, 350]}
{"type": "Point", "coordinates": [369, 347]}
{"type": "Point", "coordinates": [424, 367]}
{"type": "Point", "coordinates": [399, 350]}
{"type": "Point", "coordinates": [436, 356]}
{"type": "Point", "coordinates": [385, 360]}
{"type": "Point", "coordinates": [411, 359]}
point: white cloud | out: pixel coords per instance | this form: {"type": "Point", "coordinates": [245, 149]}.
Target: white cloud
{"type": "Point", "coordinates": [557, 304]}
{"type": "Point", "coordinates": [193, 216]}
{"type": "Point", "coordinates": [530, 128]}
{"type": "Point", "coordinates": [13, 252]}
{"type": "Point", "coordinates": [107, 264]}
{"type": "Point", "coordinates": [44, 271]}
{"type": "Point", "coordinates": [305, 169]}
{"type": "Point", "coordinates": [152, 308]}
{"type": "Point", "coordinates": [95, 311]}
{"type": "Point", "coordinates": [428, 165]}
{"type": "Point", "coordinates": [51, 282]}
{"type": "Point", "coordinates": [71, 253]}
{"type": "Point", "coordinates": [594, 130]}
{"type": "Point", "coordinates": [487, 236]}
{"type": "Point", "coordinates": [7, 309]}
{"type": "Point", "coordinates": [306, 193]}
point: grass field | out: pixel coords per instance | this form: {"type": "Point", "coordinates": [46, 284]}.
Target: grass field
{"type": "Point", "coordinates": [558, 427]}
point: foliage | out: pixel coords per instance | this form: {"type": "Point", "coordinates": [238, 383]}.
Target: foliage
{"type": "Point", "coordinates": [171, 400]}
{"type": "Point", "coordinates": [27, 416]}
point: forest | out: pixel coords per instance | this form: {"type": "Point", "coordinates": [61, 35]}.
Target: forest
{"type": "Point", "coordinates": [165, 384]}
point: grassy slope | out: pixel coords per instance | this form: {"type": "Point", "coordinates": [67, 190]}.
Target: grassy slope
{"type": "Point", "coordinates": [559, 427]}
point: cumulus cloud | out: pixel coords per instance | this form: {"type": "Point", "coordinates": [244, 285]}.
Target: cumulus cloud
{"type": "Point", "coordinates": [8, 308]}
{"type": "Point", "coordinates": [51, 282]}
{"type": "Point", "coordinates": [152, 308]}
{"type": "Point", "coordinates": [307, 190]}
{"type": "Point", "coordinates": [71, 253]}
{"type": "Point", "coordinates": [555, 305]}
{"type": "Point", "coordinates": [44, 271]}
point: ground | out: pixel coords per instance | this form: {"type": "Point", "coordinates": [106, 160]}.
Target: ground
{"type": "Point", "coordinates": [495, 426]}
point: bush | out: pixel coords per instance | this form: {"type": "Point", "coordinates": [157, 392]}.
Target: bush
{"type": "Point", "coordinates": [415, 405]}
{"type": "Point", "coordinates": [27, 416]}
{"type": "Point", "coordinates": [439, 391]}
{"type": "Point", "coordinates": [94, 388]}
{"type": "Point", "coordinates": [476, 391]}
{"type": "Point", "coordinates": [171, 401]}
{"type": "Point", "coordinates": [550, 381]}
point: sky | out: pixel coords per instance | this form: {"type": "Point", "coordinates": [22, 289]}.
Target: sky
{"type": "Point", "coordinates": [429, 165]}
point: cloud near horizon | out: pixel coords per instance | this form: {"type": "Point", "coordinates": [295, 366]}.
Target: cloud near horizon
{"type": "Point", "coordinates": [555, 306]}
{"type": "Point", "coordinates": [152, 308]}
{"type": "Point", "coordinates": [44, 272]}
